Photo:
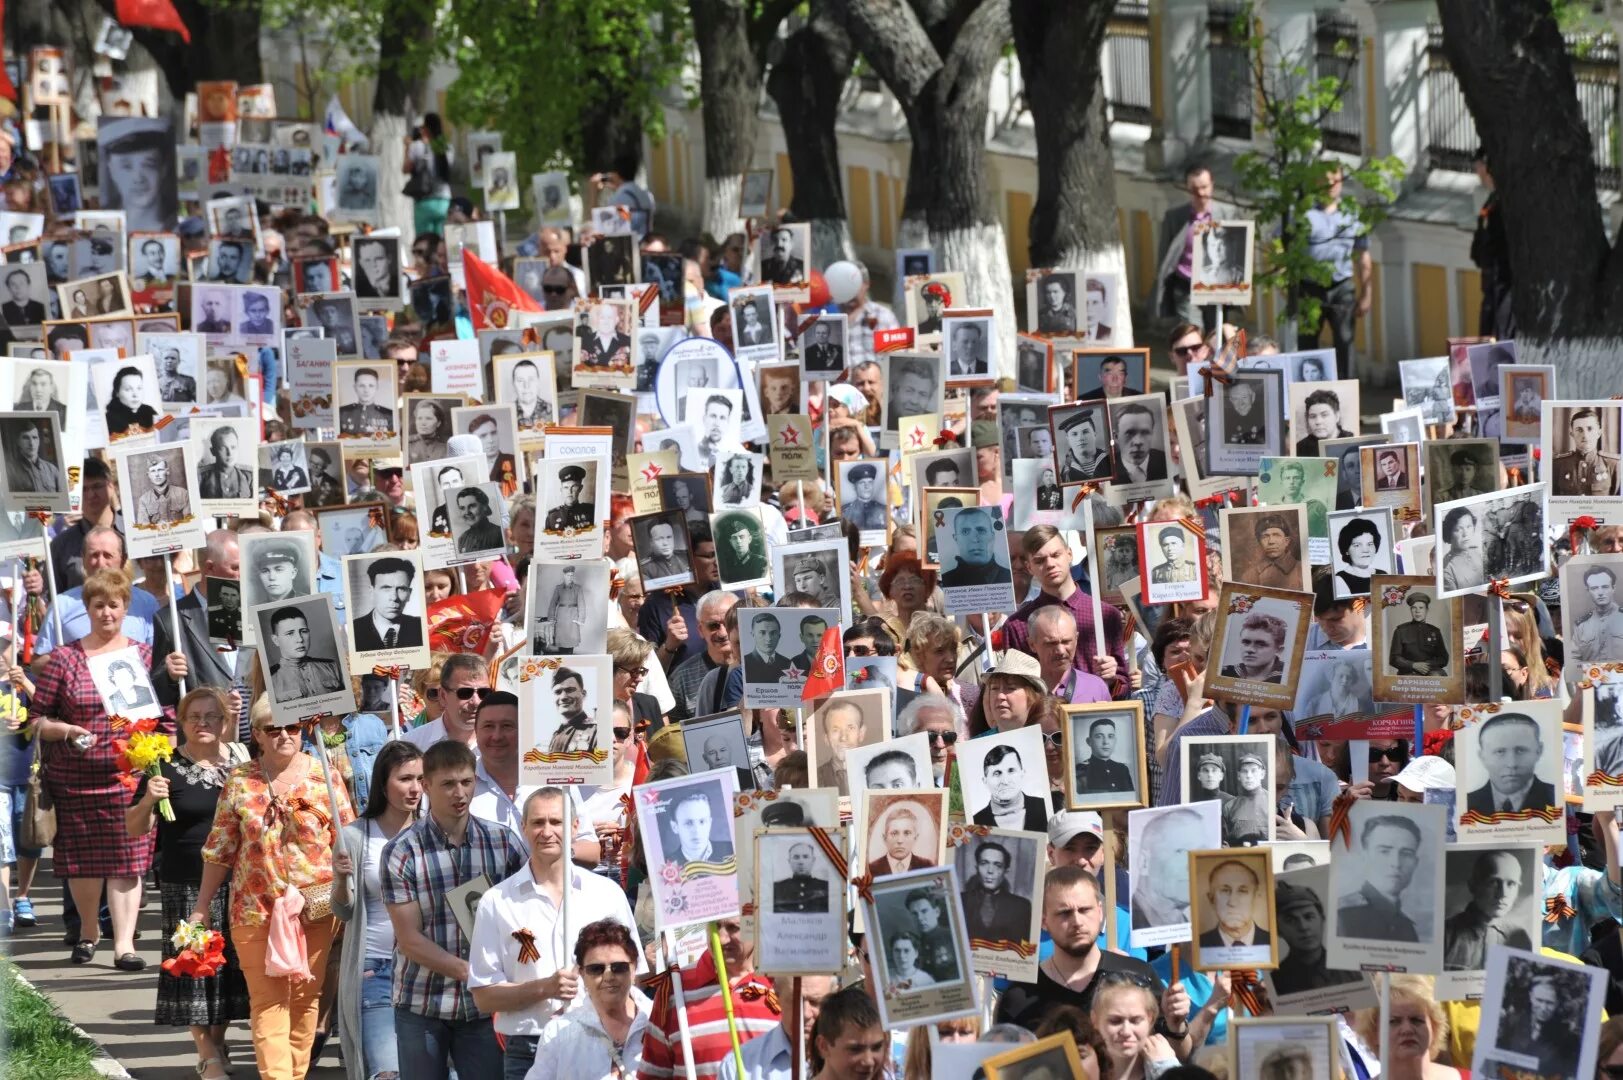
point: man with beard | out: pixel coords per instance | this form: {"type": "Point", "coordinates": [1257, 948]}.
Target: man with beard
{"type": "Point", "coordinates": [578, 732]}
{"type": "Point", "coordinates": [1495, 886]}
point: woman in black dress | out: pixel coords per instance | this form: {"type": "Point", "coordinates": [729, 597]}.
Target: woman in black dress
{"type": "Point", "coordinates": [191, 780]}
{"type": "Point", "coordinates": [126, 410]}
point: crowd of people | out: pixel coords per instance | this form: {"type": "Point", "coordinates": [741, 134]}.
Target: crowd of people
{"type": "Point", "coordinates": [391, 890]}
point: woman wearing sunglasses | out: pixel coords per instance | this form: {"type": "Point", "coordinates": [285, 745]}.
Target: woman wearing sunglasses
{"type": "Point", "coordinates": [602, 805]}
{"type": "Point", "coordinates": [599, 1038]}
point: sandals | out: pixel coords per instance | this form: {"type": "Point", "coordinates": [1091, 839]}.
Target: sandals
{"type": "Point", "coordinates": [202, 1068]}
{"type": "Point", "coordinates": [84, 952]}
{"type": "Point", "coordinates": [129, 962]}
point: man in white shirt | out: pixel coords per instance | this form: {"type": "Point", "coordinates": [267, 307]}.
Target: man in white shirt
{"type": "Point", "coordinates": [772, 1056]}
{"type": "Point", "coordinates": [520, 963]}
{"type": "Point", "coordinates": [497, 793]}
{"type": "Point", "coordinates": [464, 682]}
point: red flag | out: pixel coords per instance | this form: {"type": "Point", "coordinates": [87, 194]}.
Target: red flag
{"type": "Point", "coordinates": [7, 90]}
{"type": "Point", "coordinates": [492, 295]}
{"type": "Point", "coordinates": [462, 623]}
{"type": "Point", "coordinates": [828, 669]}
{"type": "Point", "coordinates": [154, 15]}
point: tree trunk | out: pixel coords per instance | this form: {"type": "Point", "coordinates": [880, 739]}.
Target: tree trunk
{"type": "Point", "coordinates": [729, 96]}
{"type": "Point", "coordinates": [1073, 223]}
{"type": "Point", "coordinates": [401, 91]}
{"type": "Point", "coordinates": [806, 84]}
{"type": "Point", "coordinates": [1513, 68]}
{"type": "Point", "coordinates": [225, 44]}
{"type": "Point", "coordinates": [939, 65]}
{"type": "Point", "coordinates": [609, 132]}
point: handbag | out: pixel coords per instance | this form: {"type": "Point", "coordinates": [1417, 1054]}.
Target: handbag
{"type": "Point", "coordinates": [421, 183]}
{"type": "Point", "coordinates": [317, 902]}
{"type": "Point", "coordinates": [39, 815]}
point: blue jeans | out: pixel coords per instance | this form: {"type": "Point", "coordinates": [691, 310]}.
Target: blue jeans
{"type": "Point", "coordinates": [429, 1046]}
{"type": "Point", "coordinates": [519, 1057]}
{"type": "Point", "coordinates": [377, 1018]}
{"type": "Point", "coordinates": [19, 796]}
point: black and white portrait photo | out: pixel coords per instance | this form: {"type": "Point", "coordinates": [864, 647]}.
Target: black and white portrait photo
{"type": "Point", "coordinates": [136, 157]}
{"type": "Point", "coordinates": [1540, 1016]}
{"type": "Point", "coordinates": [1231, 909]}
{"type": "Point", "coordinates": [1582, 446]}
{"type": "Point", "coordinates": [279, 566]}
{"type": "Point", "coordinates": [1236, 772]}
{"type": "Point", "coordinates": [741, 549]}
{"type": "Point", "coordinates": [358, 529]}
{"type": "Point", "coordinates": [234, 217]}
{"type": "Point", "coordinates": [1101, 374]}
{"type": "Point", "coordinates": [568, 606]}
{"type": "Point", "coordinates": [128, 393]}
{"type": "Point", "coordinates": [284, 467]}
{"type": "Point", "coordinates": [357, 189]}
{"type": "Point", "coordinates": [799, 900]}
{"type": "Point", "coordinates": [230, 261]}
{"type": "Point", "coordinates": [968, 347]}
{"type": "Point", "coordinates": [972, 547]}
{"type": "Point", "coordinates": [35, 475]}
{"type": "Point", "coordinates": [1360, 548]}
{"type": "Point", "coordinates": [780, 649]}
{"type": "Point", "coordinates": [1245, 422]}
{"type": "Point", "coordinates": [1001, 872]}
{"type": "Point", "coordinates": [783, 256]}
{"type": "Point", "coordinates": [1005, 780]}
{"type": "Point", "coordinates": [845, 721]}
{"type": "Point", "coordinates": [1220, 272]}
{"type": "Point", "coordinates": [1491, 537]}
{"type": "Point", "coordinates": [661, 544]}
{"type": "Point", "coordinates": [861, 487]}
{"type": "Point", "coordinates": [327, 486]}
{"type": "Point", "coordinates": [737, 481]}
{"type": "Point", "coordinates": [1426, 387]}
{"type": "Point", "coordinates": [1259, 631]}
{"type": "Point", "coordinates": [377, 272]}
{"type": "Point", "coordinates": [27, 294]}
{"type": "Point", "coordinates": [365, 395]}
{"type": "Point", "coordinates": [301, 651]}
{"type": "Point", "coordinates": [1139, 429]}
{"type": "Point", "coordinates": [1455, 469]}
{"type": "Point", "coordinates": [123, 685]}
{"type": "Point", "coordinates": [823, 347]}
{"type": "Point", "coordinates": [1033, 363]}
{"type": "Point", "coordinates": [1508, 769]}
{"type": "Point", "coordinates": [816, 567]}
{"type": "Point", "coordinates": [526, 381]}
{"type": "Point", "coordinates": [316, 275]}
{"type": "Point", "coordinates": [686, 826]}
{"type": "Point", "coordinates": [612, 260]}
{"type": "Point", "coordinates": [179, 360]}
{"type": "Point", "coordinates": [919, 947]}
{"type": "Point", "coordinates": [755, 327]}
{"type": "Point", "coordinates": [386, 604]}
{"type": "Point", "coordinates": [1160, 840]}
{"type": "Point", "coordinates": [478, 521]}
{"type": "Point", "coordinates": [1321, 411]}
{"type": "Point", "coordinates": [1388, 883]}
{"type": "Point", "coordinates": [754, 193]}
{"type": "Point", "coordinates": [1490, 897]}
{"type": "Point", "coordinates": [1051, 298]}
{"type": "Point", "coordinates": [1304, 980]}
{"type": "Point", "coordinates": [1106, 766]}
{"type": "Point", "coordinates": [226, 458]}
{"type": "Point", "coordinates": [1592, 623]}
{"type": "Point", "coordinates": [501, 181]}
{"type": "Point", "coordinates": [1081, 437]}
{"type": "Point", "coordinates": [335, 314]}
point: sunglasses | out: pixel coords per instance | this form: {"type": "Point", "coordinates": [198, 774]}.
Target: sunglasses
{"type": "Point", "coordinates": [1391, 753]}
{"type": "Point", "coordinates": [1185, 350]}
{"type": "Point", "coordinates": [1053, 739]}
{"type": "Point", "coordinates": [465, 693]}
{"type": "Point", "coordinates": [622, 733]}
{"type": "Point", "coordinates": [275, 732]}
{"type": "Point", "coordinates": [596, 971]}
{"type": "Point", "coordinates": [555, 290]}
{"type": "Point", "coordinates": [636, 673]}
{"type": "Point", "coordinates": [945, 738]}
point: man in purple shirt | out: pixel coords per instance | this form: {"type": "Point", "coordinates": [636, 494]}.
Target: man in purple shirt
{"type": "Point", "coordinates": [1051, 636]}
{"type": "Point", "coordinates": [1048, 557]}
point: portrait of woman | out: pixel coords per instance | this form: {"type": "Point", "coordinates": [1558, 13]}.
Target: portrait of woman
{"type": "Point", "coordinates": [108, 302]}
{"type": "Point", "coordinates": [129, 693]}
{"type": "Point", "coordinates": [738, 480]}
{"type": "Point", "coordinates": [1462, 565]}
{"type": "Point", "coordinates": [287, 475]}
{"type": "Point", "coordinates": [79, 305]}
{"type": "Point", "coordinates": [904, 960]}
{"type": "Point", "coordinates": [221, 384]}
{"type": "Point", "coordinates": [430, 431]}
{"type": "Point", "coordinates": [1358, 542]}
{"type": "Point", "coordinates": [126, 410]}
{"type": "Point", "coordinates": [1344, 696]}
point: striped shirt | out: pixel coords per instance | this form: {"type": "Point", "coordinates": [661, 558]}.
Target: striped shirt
{"type": "Point", "coordinates": [707, 1022]}
{"type": "Point", "coordinates": [421, 866]}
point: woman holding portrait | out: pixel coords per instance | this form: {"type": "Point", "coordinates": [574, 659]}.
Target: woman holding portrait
{"type": "Point", "coordinates": [600, 1038]}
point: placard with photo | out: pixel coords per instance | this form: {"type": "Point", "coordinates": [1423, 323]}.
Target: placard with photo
{"type": "Point", "coordinates": [782, 258]}
{"type": "Point", "coordinates": [779, 647]}
{"type": "Point", "coordinates": [365, 393]}
{"type": "Point", "coordinates": [1177, 571]}
{"type": "Point", "coordinates": [1525, 389]}
{"type": "Point", "coordinates": [1002, 871]}
{"type": "Point", "coordinates": [28, 297]}
{"type": "Point", "coordinates": [478, 522]}
{"type": "Point", "coordinates": [1245, 423]}
{"type": "Point", "coordinates": [846, 719]}
{"type": "Point", "coordinates": [356, 529]}
{"type": "Point", "coordinates": [941, 468]}
{"type": "Point", "coordinates": [566, 720]}
{"type": "Point", "coordinates": [357, 189]}
{"type": "Point", "coordinates": [756, 336]}
{"type": "Point", "coordinates": [1582, 448]}
{"type": "Point", "coordinates": [387, 623]}
{"type": "Point", "coordinates": [972, 547]}
{"type": "Point", "coordinates": [1508, 770]}
{"type": "Point", "coordinates": [737, 481]}
{"type": "Point", "coordinates": [1335, 688]}
{"type": "Point", "coordinates": [1259, 633]}
{"type": "Point", "coordinates": [1591, 623]}
{"type": "Point", "coordinates": [1052, 302]}
{"type": "Point", "coordinates": [303, 659]}
{"type": "Point", "coordinates": [1285, 1047]}
{"type": "Point", "coordinates": [1404, 425]}
{"type": "Point", "coordinates": [377, 273]}
{"type": "Point", "coordinates": [1266, 546]}
{"type": "Point", "coordinates": [1160, 840]}
{"type": "Point", "coordinates": [1142, 449]}
{"type": "Point", "coordinates": [1540, 1016]}
{"type": "Point", "coordinates": [686, 827]}
{"type": "Point", "coordinates": [1492, 537]}
{"type": "Point", "coordinates": [1387, 878]}
{"type": "Point", "coordinates": [1491, 896]}
{"type": "Point", "coordinates": [123, 685]}
{"type": "Point", "coordinates": [335, 313]}
{"type": "Point", "coordinates": [741, 549]}
{"type": "Point", "coordinates": [279, 566]}
{"type": "Point", "coordinates": [912, 915]}
{"type": "Point", "coordinates": [913, 387]}
{"type": "Point", "coordinates": [1236, 772]}
{"type": "Point", "coordinates": [1004, 779]}
{"type": "Point", "coordinates": [433, 483]}
{"type": "Point", "coordinates": [718, 742]}
{"type": "Point", "coordinates": [1108, 374]}
{"type": "Point", "coordinates": [227, 452]}
{"type": "Point", "coordinates": [1457, 469]}
{"type": "Point", "coordinates": [1190, 427]}
{"type": "Point", "coordinates": [1104, 755]}
{"type": "Point", "coordinates": [1220, 271]}
{"type": "Point", "coordinates": [1426, 387]}
{"type": "Point", "coordinates": [96, 296]}
{"type": "Point", "coordinates": [1079, 432]}
{"type": "Point", "coordinates": [859, 486]}
{"type": "Point", "coordinates": [224, 603]}
{"type": "Point", "coordinates": [1033, 364]}
{"type": "Point", "coordinates": [1603, 746]}
{"type": "Point", "coordinates": [568, 602]}
{"type": "Point", "coordinates": [799, 899]}
{"type": "Point", "coordinates": [496, 428]}
{"type": "Point", "coordinates": [157, 482]}
{"type": "Point", "coordinates": [1231, 910]}
{"type": "Point", "coordinates": [662, 549]}
{"type": "Point", "coordinates": [1303, 984]}
{"type": "Point", "coordinates": [284, 467]}
{"type": "Point", "coordinates": [754, 811]}
{"type": "Point", "coordinates": [779, 389]}
{"type": "Point", "coordinates": [1360, 548]}
{"type": "Point", "coordinates": [823, 347]}
{"type": "Point", "coordinates": [36, 474]}
{"type": "Point", "coordinates": [899, 830]}
{"type": "Point", "coordinates": [1321, 411]}
{"type": "Point", "coordinates": [819, 568]}
{"type": "Point", "coordinates": [969, 346]}
{"type": "Point", "coordinates": [127, 391]}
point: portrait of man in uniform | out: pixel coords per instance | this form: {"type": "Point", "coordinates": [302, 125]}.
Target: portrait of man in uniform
{"type": "Point", "coordinates": [1101, 772]}
{"type": "Point", "coordinates": [296, 674]}
{"type": "Point", "coordinates": [1259, 656]}
{"type": "Point", "coordinates": [1388, 853]}
{"type": "Point", "coordinates": [802, 892]}
{"type": "Point", "coordinates": [574, 512]}
{"type": "Point", "coordinates": [860, 507]}
{"type": "Point", "coordinates": [1300, 914]}
{"type": "Point", "coordinates": [365, 416]}
{"type": "Point", "coordinates": [992, 911]}
{"type": "Point", "coordinates": [974, 559]}
{"type": "Point", "coordinates": [1418, 647]}
{"type": "Point", "coordinates": [1598, 636]}
{"type": "Point", "coordinates": [1583, 469]}
{"type": "Point", "coordinates": [564, 614]}
{"type": "Point", "coordinates": [1494, 890]}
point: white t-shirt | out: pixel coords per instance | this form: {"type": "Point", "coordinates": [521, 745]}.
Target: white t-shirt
{"type": "Point", "coordinates": [379, 927]}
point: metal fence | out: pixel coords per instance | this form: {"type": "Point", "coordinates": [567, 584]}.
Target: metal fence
{"type": "Point", "coordinates": [1127, 55]}
{"type": "Point", "coordinates": [1232, 96]}
{"type": "Point", "coordinates": [1451, 132]}
{"type": "Point", "coordinates": [1336, 53]}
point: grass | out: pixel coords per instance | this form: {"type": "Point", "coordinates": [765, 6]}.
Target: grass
{"type": "Point", "coordinates": [35, 1042]}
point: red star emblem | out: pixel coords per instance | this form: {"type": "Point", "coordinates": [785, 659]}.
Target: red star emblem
{"type": "Point", "coordinates": [916, 437]}
{"type": "Point", "coordinates": [791, 436]}
{"type": "Point", "coordinates": [651, 471]}
{"type": "Point", "coordinates": [792, 672]}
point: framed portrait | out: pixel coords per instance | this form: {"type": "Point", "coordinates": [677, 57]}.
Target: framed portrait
{"type": "Point", "coordinates": [36, 474]}
{"type": "Point", "coordinates": [934, 499]}
{"type": "Point", "coordinates": [756, 334]}
{"type": "Point", "coordinates": [1309, 482]}
{"type": "Point", "coordinates": [1389, 475]}
{"type": "Point", "coordinates": [1491, 893]}
{"type": "Point", "coordinates": [1221, 268]}
{"type": "Point", "coordinates": [859, 486]}
{"type": "Point", "coordinates": [754, 811]}
{"type": "Point", "coordinates": [1245, 422]}
{"type": "Point", "coordinates": [1237, 773]}
{"type": "Point", "coordinates": [1266, 546]}
{"type": "Point", "coordinates": [1498, 536]}
{"type": "Point", "coordinates": [566, 719]}
{"type": "Point", "coordinates": [1540, 1016]}
{"type": "Point", "coordinates": [1080, 435]}
{"type": "Point", "coordinates": [335, 313]}
{"type": "Point", "coordinates": [365, 393]}
{"type": "Point", "coordinates": [1053, 304]}
{"type": "Point", "coordinates": [1581, 447]}
{"type": "Point", "coordinates": [928, 296]}
{"type": "Point", "coordinates": [1259, 633]}
{"type": "Point", "coordinates": [779, 647]}
{"type": "Point", "coordinates": [968, 346]}
{"type": "Point", "coordinates": [846, 719]}
{"type": "Point", "coordinates": [157, 481]}
{"type": "Point", "coordinates": [302, 658]}
{"type": "Point", "coordinates": [1046, 1059]}
{"type": "Point", "coordinates": [1231, 909]}
{"type": "Point", "coordinates": [1387, 877]}
{"type": "Point", "coordinates": [1160, 840]}
{"type": "Point", "coordinates": [686, 825]}
{"type": "Point", "coordinates": [1508, 773]}
{"type": "Point", "coordinates": [1525, 389]}
{"type": "Point", "coordinates": [718, 742]}
{"type": "Point", "coordinates": [227, 453]}
{"type": "Point", "coordinates": [823, 347]}
{"type": "Point", "coordinates": [1138, 427]}
{"type": "Point", "coordinates": [356, 529]}
{"type": "Point", "coordinates": [972, 547]}
{"type": "Point", "coordinates": [478, 519]}
{"type": "Point", "coordinates": [779, 389]}
{"type": "Point", "coordinates": [377, 273]}
{"type": "Point", "coordinates": [1285, 1047]}
{"type": "Point", "coordinates": [1591, 625]}
{"type": "Point", "coordinates": [612, 259]}
{"type": "Point", "coordinates": [799, 899]}
{"type": "Point", "coordinates": [123, 685]}
{"type": "Point", "coordinates": [1404, 425]}
{"type": "Point", "coordinates": [815, 567]}
{"type": "Point", "coordinates": [782, 258]}
{"type": "Point", "coordinates": [1176, 572]}
{"type": "Point", "coordinates": [662, 549]}
{"type": "Point", "coordinates": [1360, 548]}
{"type": "Point", "coordinates": [920, 952]}
{"type": "Point", "coordinates": [284, 467]}
{"type": "Point", "coordinates": [1104, 755]}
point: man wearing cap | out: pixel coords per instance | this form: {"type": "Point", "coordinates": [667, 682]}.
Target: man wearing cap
{"type": "Point", "coordinates": [574, 513]}
{"type": "Point", "coordinates": [297, 675]}
{"type": "Point", "coordinates": [1085, 457]}
{"type": "Point", "coordinates": [1417, 646]}
{"type": "Point", "coordinates": [1174, 566]}
{"type": "Point", "coordinates": [1209, 772]}
{"type": "Point", "coordinates": [811, 577]}
{"type": "Point", "coordinates": [364, 416]}
{"type": "Point", "coordinates": [1246, 816]}
{"type": "Point", "coordinates": [1278, 564]}
{"type": "Point", "coordinates": [1390, 851]}
{"type": "Point", "coordinates": [1599, 635]}
{"type": "Point", "coordinates": [973, 530]}
{"type": "Point", "coordinates": [1262, 640]}
{"type": "Point", "coordinates": [384, 627]}
{"type": "Point", "coordinates": [744, 548]}
{"type": "Point", "coordinates": [564, 615]}
{"type": "Point", "coordinates": [223, 478]}
{"type": "Point", "coordinates": [1462, 484]}
{"type": "Point", "coordinates": [1301, 929]}
{"type": "Point", "coordinates": [936, 296]}
{"type": "Point", "coordinates": [862, 509]}
{"type": "Point", "coordinates": [278, 574]}
{"type": "Point", "coordinates": [1509, 747]}
{"type": "Point", "coordinates": [802, 891]}
{"type": "Point", "coordinates": [992, 912]}
{"type": "Point", "coordinates": [1100, 773]}
{"type": "Point", "coordinates": [1008, 806]}
{"type": "Point", "coordinates": [480, 533]}
{"type": "Point", "coordinates": [763, 664]}
{"type": "Point", "coordinates": [1496, 888]}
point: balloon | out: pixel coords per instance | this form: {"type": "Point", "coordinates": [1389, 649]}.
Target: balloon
{"type": "Point", "coordinates": [844, 281]}
{"type": "Point", "coordinates": [819, 290]}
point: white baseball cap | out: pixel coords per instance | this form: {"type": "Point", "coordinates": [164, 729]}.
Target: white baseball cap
{"type": "Point", "coordinates": [1067, 825]}
{"type": "Point", "coordinates": [1427, 773]}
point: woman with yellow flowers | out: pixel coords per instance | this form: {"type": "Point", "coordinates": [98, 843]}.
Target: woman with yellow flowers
{"type": "Point", "coordinates": [82, 769]}
{"type": "Point", "coordinates": [191, 780]}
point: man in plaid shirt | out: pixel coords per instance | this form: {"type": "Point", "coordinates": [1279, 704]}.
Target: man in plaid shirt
{"type": "Point", "coordinates": [436, 1019]}
{"type": "Point", "coordinates": [1049, 557]}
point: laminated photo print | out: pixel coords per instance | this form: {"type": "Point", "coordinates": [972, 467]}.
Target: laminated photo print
{"type": "Point", "coordinates": [1308, 482]}
{"type": "Point", "coordinates": [1100, 374]}
{"type": "Point", "coordinates": [1236, 772]}
{"type": "Point", "coordinates": [779, 646]}
{"type": "Point", "coordinates": [1038, 498]}
{"type": "Point", "coordinates": [969, 346]}
{"type": "Point", "coordinates": [1303, 984]}
{"type": "Point", "coordinates": [1259, 633]}
{"type": "Point", "coordinates": [159, 483]}
{"type": "Point", "coordinates": [1498, 536]}
{"type": "Point", "coordinates": [754, 811]}
{"type": "Point", "coordinates": [1221, 268]}
{"type": "Point", "coordinates": [1491, 896]}
{"type": "Point", "coordinates": [823, 347]}
{"type": "Point", "coordinates": [284, 467]}
{"type": "Point", "coordinates": [928, 296]}
{"type": "Point", "coordinates": [567, 606]}
{"type": "Point", "coordinates": [1404, 425]}
{"type": "Point", "coordinates": [919, 948]}
{"type": "Point", "coordinates": [123, 685]}
{"type": "Point", "coordinates": [719, 742]}
{"type": "Point", "coordinates": [1334, 691]}
{"type": "Point", "coordinates": [1508, 774]}
{"type": "Point", "coordinates": [741, 549]}
{"type": "Point", "coordinates": [566, 719]}
{"type": "Point", "coordinates": [1160, 840]}
{"type": "Point", "coordinates": [1245, 422]}
{"type": "Point", "coordinates": [1232, 914]}
{"type": "Point", "coordinates": [1176, 571]}
{"type": "Point", "coordinates": [1540, 1016]}
{"type": "Point", "coordinates": [913, 387]}
{"type": "Point", "coordinates": [799, 898]}
{"type": "Point", "coordinates": [387, 623]}
{"type": "Point", "coordinates": [1602, 746]}
{"type": "Point", "coordinates": [817, 567]}
{"type": "Point", "coordinates": [662, 549]}
{"type": "Point", "coordinates": [1002, 871]}
{"type": "Point", "coordinates": [1415, 642]}
{"type": "Point", "coordinates": [227, 452]}
{"type": "Point", "coordinates": [1321, 411]}
{"type": "Point", "coordinates": [843, 721]}
{"type": "Point", "coordinates": [900, 820]}
{"type": "Point", "coordinates": [1387, 880]}
{"type": "Point", "coordinates": [1591, 625]}
{"type": "Point", "coordinates": [972, 547]}
{"type": "Point", "coordinates": [1033, 365]}
{"type": "Point", "coordinates": [686, 826]}
{"type": "Point", "coordinates": [357, 529]}
{"type": "Point", "coordinates": [1266, 546]}
{"type": "Point", "coordinates": [478, 515]}
{"type": "Point", "coordinates": [127, 391]}
{"type": "Point", "coordinates": [1052, 302]}
{"type": "Point", "coordinates": [303, 659]}
{"type": "Point", "coordinates": [1581, 449]}
{"type": "Point", "coordinates": [782, 258]}
{"type": "Point", "coordinates": [36, 474]}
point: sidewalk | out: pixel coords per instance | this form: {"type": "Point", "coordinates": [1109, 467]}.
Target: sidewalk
{"type": "Point", "coordinates": [114, 1007]}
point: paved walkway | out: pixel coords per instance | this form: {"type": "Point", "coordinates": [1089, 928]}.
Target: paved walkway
{"type": "Point", "coordinates": [115, 1007]}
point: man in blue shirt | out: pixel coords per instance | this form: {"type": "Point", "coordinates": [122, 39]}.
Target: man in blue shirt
{"type": "Point", "coordinates": [103, 550]}
{"type": "Point", "coordinates": [329, 572]}
{"type": "Point", "coordinates": [1337, 239]}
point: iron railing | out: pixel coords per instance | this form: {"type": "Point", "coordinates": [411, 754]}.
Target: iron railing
{"type": "Point", "coordinates": [1127, 47]}
{"type": "Point", "coordinates": [1232, 94]}
{"type": "Point", "coordinates": [1336, 53]}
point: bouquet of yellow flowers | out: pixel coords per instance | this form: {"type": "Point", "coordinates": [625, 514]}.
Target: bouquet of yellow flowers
{"type": "Point", "coordinates": [140, 755]}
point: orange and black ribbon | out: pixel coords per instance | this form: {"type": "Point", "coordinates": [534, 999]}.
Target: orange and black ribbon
{"type": "Point", "coordinates": [527, 952]}
{"type": "Point", "coordinates": [629, 807]}
{"type": "Point", "coordinates": [755, 992]}
{"type": "Point", "coordinates": [393, 673]}
{"type": "Point", "coordinates": [1557, 908]}
{"type": "Point", "coordinates": [1211, 373]}
{"type": "Point", "coordinates": [274, 497]}
{"type": "Point", "coordinates": [1246, 990]}
{"type": "Point", "coordinates": [1340, 825]}
{"type": "Point", "coordinates": [1499, 587]}
{"type": "Point", "coordinates": [1082, 492]}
